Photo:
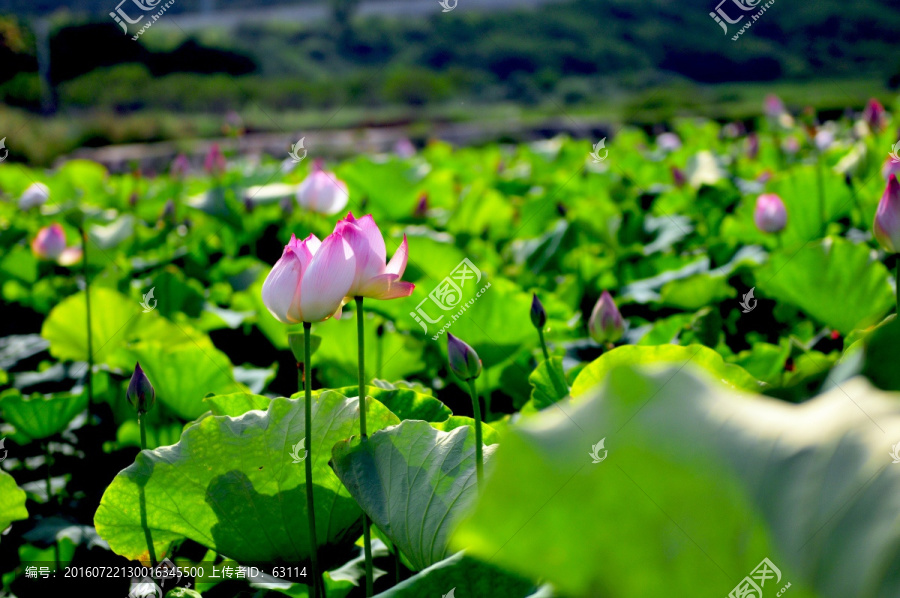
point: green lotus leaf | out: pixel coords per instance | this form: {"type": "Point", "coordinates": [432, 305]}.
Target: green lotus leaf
{"type": "Point", "coordinates": [40, 416]}
{"type": "Point", "coordinates": [548, 383]}
{"type": "Point", "coordinates": [704, 481]}
{"type": "Point", "coordinates": [597, 371]}
{"type": "Point", "coordinates": [182, 375]}
{"type": "Point", "coordinates": [231, 484]}
{"type": "Point", "coordinates": [414, 482]}
{"type": "Point", "coordinates": [12, 507]}
{"type": "Point", "coordinates": [236, 403]}
{"type": "Point", "coordinates": [465, 577]}
{"type": "Point", "coordinates": [405, 403]}
{"type": "Point", "coordinates": [834, 281]}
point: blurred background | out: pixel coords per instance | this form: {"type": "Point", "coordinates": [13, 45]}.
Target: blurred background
{"type": "Point", "coordinates": [266, 72]}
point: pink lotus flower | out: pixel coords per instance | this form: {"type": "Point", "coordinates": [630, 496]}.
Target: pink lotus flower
{"type": "Point", "coordinates": [887, 217]}
{"type": "Point", "coordinates": [70, 255]}
{"type": "Point", "coordinates": [309, 281]}
{"type": "Point", "coordinates": [374, 278]}
{"type": "Point", "coordinates": [322, 191]}
{"type": "Point", "coordinates": [214, 163]}
{"type": "Point", "coordinates": [874, 115]}
{"type": "Point", "coordinates": [770, 215]}
{"type": "Point", "coordinates": [180, 166]}
{"type": "Point", "coordinates": [606, 324]}
{"type": "Point", "coordinates": [49, 242]}
{"type": "Point", "coordinates": [773, 106]}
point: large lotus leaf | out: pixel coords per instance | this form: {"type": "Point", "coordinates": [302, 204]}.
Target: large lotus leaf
{"type": "Point", "coordinates": [231, 485]}
{"type": "Point", "coordinates": [236, 403]}
{"type": "Point", "coordinates": [12, 507]}
{"type": "Point", "coordinates": [596, 372]}
{"type": "Point", "coordinates": [183, 375]}
{"type": "Point", "coordinates": [462, 576]}
{"type": "Point", "coordinates": [839, 283]}
{"type": "Point", "coordinates": [548, 383]}
{"type": "Point", "coordinates": [405, 403]}
{"type": "Point", "coordinates": [414, 482]}
{"type": "Point", "coordinates": [116, 321]}
{"type": "Point", "coordinates": [703, 481]}
{"type": "Point", "coordinates": [40, 416]}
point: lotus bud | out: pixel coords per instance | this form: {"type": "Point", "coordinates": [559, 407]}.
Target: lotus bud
{"type": "Point", "coordinates": [49, 242]}
{"type": "Point", "coordinates": [773, 106]}
{"type": "Point", "coordinates": [214, 163]}
{"type": "Point", "coordinates": [463, 359]}
{"type": "Point", "coordinates": [35, 195]}
{"type": "Point", "coordinates": [168, 213]}
{"type": "Point", "coordinates": [752, 145]}
{"type": "Point", "coordinates": [770, 215]}
{"type": "Point", "coordinates": [887, 217]}
{"type": "Point", "coordinates": [824, 139]}
{"type": "Point", "coordinates": [668, 142]}
{"type": "Point", "coordinates": [890, 167]}
{"type": "Point", "coordinates": [538, 314]}
{"type": "Point", "coordinates": [678, 177]}
{"type": "Point", "coordinates": [874, 115]}
{"type": "Point", "coordinates": [180, 167]}
{"type": "Point", "coordinates": [421, 210]}
{"type": "Point", "coordinates": [606, 324]}
{"type": "Point", "coordinates": [140, 392]}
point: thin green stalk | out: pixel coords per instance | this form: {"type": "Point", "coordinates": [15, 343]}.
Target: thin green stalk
{"type": "Point", "coordinates": [142, 499]}
{"type": "Point", "coordinates": [897, 280]}
{"type": "Point", "coordinates": [49, 458]}
{"type": "Point", "coordinates": [821, 186]}
{"type": "Point", "coordinates": [90, 343]}
{"type": "Point", "coordinates": [310, 506]}
{"type": "Point", "coordinates": [479, 457]}
{"type": "Point", "coordinates": [543, 345]}
{"type": "Point", "coordinates": [361, 370]}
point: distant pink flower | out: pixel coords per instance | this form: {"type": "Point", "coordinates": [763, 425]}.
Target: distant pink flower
{"type": "Point", "coordinates": [322, 192]}
{"type": "Point", "coordinates": [180, 167]}
{"type": "Point", "coordinates": [874, 115]}
{"type": "Point", "coordinates": [791, 145]}
{"type": "Point", "coordinates": [214, 163]}
{"type": "Point", "coordinates": [35, 195]}
{"type": "Point", "coordinates": [404, 148]}
{"type": "Point", "coordinates": [49, 242]}
{"type": "Point", "coordinates": [887, 217]}
{"type": "Point", "coordinates": [773, 106]}
{"type": "Point", "coordinates": [374, 278]}
{"type": "Point", "coordinates": [770, 214]}
{"type": "Point", "coordinates": [310, 280]}
{"type": "Point", "coordinates": [668, 142]}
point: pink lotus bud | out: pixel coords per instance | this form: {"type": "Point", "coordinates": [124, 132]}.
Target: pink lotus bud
{"type": "Point", "coordinates": [463, 359]}
{"type": "Point", "coordinates": [404, 148]}
{"type": "Point", "coordinates": [890, 167]}
{"type": "Point", "coordinates": [752, 145]}
{"type": "Point", "coordinates": [773, 106]}
{"type": "Point", "coordinates": [70, 256]}
{"type": "Point", "coordinates": [322, 192]}
{"type": "Point", "coordinates": [770, 215]}
{"type": "Point", "coordinates": [887, 217]}
{"type": "Point", "coordinates": [678, 177]}
{"type": "Point", "coordinates": [791, 145]}
{"type": "Point", "coordinates": [140, 392]}
{"type": "Point", "coordinates": [180, 167]}
{"type": "Point", "coordinates": [874, 115]}
{"type": "Point", "coordinates": [668, 142]}
{"type": "Point", "coordinates": [538, 313]}
{"type": "Point", "coordinates": [764, 177]}
{"type": "Point", "coordinates": [35, 195]}
{"type": "Point", "coordinates": [606, 324]}
{"type": "Point", "coordinates": [374, 278]}
{"type": "Point", "coordinates": [310, 280]}
{"type": "Point", "coordinates": [421, 210]}
{"type": "Point", "coordinates": [49, 242]}
{"type": "Point", "coordinates": [214, 163]}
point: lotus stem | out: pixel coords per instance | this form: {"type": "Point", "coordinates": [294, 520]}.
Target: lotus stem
{"type": "Point", "coordinates": [49, 457]}
{"type": "Point", "coordinates": [897, 280]}
{"type": "Point", "coordinates": [820, 183]}
{"type": "Point", "coordinates": [361, 362]}
{"type": "Point", "coordinates": [310, 506]}
{"type": "Point", "coordinates": [543, 344]}
{"type": "Point", "coordinates": [479, 456]}
{"type": "Point", "coordinates": [87, 299]}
